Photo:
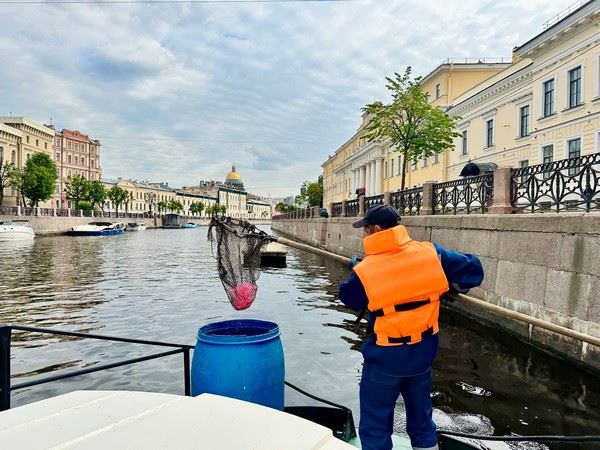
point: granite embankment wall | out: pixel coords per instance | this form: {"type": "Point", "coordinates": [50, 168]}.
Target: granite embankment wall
{"type": "Point", "coordinates": [546, 266]}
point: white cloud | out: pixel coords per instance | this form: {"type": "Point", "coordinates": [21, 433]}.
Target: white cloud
{"type": "Point", "coordinates": [177, 92]}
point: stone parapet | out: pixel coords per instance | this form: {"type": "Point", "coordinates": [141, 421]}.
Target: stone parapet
{"type": "Point", "coordinates": [543, 265]}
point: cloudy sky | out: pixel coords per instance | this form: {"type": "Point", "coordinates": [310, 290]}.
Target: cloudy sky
{"type": "Point", "coordinates": [177, 92]}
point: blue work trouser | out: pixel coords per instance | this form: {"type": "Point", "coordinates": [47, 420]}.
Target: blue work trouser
{"type": "Point", "coordinates": [378, 394]}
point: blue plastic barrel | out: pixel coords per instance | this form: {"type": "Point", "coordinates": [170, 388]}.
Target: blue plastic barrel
{"type": "Point", "coordinates": [241, 359]}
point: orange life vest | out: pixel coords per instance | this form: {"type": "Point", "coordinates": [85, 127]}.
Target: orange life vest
{"type": "Point", "coordinates": [403, 280]}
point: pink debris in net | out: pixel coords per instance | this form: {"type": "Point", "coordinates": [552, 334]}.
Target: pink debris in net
{"type": "Point", "coordinates": [242, 295]}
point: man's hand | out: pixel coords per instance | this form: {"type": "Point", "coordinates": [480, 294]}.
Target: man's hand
{"type": "Point", "coordinates": [354, 261]}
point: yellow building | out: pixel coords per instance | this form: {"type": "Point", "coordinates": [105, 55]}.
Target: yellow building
{"type": "Point", "coordinates": [373, 166]}
{"type": "Point", "coordinates": [544, 107]}
{"type": "Point", "coordinates": [20, 138]}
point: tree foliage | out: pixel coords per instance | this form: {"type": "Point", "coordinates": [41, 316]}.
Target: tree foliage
{"type": "Point", "coordinates": [410, 125]}
{"type": "Point", "coordinates": [77, 188]}
{"type": "Point", "coordinates": [96, 194]}
{"type": "Point", "coordinates": [174, 205]}
{"type": "Point", "coordinates": [117, 196]}
{"type": "Point", "coordinates": [196, 207]}
{"type": "Point", "coordinates": [39, 178]}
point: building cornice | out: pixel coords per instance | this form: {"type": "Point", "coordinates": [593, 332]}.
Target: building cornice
{"type": "Point", "coordinates": [29, 123]}
{"type": "Point", "coordinates": [11, 131]}
{"type": "Point", "coordinates": [576, 18]}
{"type": "Point", "coordinates": [511, 81]}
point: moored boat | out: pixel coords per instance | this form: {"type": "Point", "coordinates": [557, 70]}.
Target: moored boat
{"type": "Point", "coordinates": [97, 229]}
{"type": "Point", "coordinates": [189, 225]}
{"type": "Point", "coordinates": [16, 230]}
{"type": "Point", "coordinates": [135, 226]}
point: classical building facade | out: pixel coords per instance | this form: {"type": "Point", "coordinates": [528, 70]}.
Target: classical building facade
{"type": "Point", "coordinates": [75, 154]}
{"type": "Point", "coordinates": [373, 166]}
{"type": "Point", "coordinates": [28, 137]}
{"type": "Point", "coordinates": [542, 105]}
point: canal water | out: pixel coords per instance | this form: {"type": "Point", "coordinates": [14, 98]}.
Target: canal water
{"type": "Point", "coordinates": [163, 285]}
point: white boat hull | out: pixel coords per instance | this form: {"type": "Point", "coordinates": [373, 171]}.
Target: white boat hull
{"type": "Point", "coordinates": [15, 233]}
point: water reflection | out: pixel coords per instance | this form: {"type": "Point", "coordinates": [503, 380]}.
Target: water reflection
{"type": "Point", "coordinates": [163, 285]}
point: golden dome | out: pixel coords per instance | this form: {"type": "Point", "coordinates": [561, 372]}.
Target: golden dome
{"type": "Point", "coordinates": [233, 175]}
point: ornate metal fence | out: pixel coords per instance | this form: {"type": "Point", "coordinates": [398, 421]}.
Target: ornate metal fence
{"type": "Point", "coordinates": [408, 202]}
{"type": "Point", "coordinates": [336, 209]}
{"type": "Point", "coordinates": [373, 200]}
{"type": "Point", "coordinates": [471, 194]}
{"type": "Point", "coordinates": [352, 208]}
{"type": "Point", "coordinates": [566, 185]}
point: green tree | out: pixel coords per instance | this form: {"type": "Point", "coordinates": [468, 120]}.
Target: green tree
{"type": "Point", "coordinates": [314, 193]}
{"type": "Point", "coordinates": [7, 171]}
{"type": "Point", "coordinates": [175, 205]}
{"type": "Point", "coordinates": [196, 207]}
{"type": "Point", "coordinates": [162, 206]}
{"type": "Point", "coordinates": [117, 196]}
{"type": "Point", "coordinates": [97, 194]}
{"type": "Point", "coordinates": [39, 178]}
{"type": "Point", "coordinates": [77, 188]}
{"type": "Point", "coordinates": [412, 126]}
{"type": "Point", "coordinates": [85, 205]}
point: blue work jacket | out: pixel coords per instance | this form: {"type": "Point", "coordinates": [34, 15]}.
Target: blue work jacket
{"type": "Point", "coordinates": [463, 272]}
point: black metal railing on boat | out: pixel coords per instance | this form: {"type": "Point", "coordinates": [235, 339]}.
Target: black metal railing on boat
{"type": "Point", "coordinates": [5, 346]}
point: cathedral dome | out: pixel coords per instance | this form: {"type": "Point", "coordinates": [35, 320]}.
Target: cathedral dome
{"type": "Point", "coordinates": [234, 179]}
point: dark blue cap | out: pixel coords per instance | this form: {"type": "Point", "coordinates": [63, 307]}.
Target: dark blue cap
{"type": "Point", "coordinates": [383, 215]}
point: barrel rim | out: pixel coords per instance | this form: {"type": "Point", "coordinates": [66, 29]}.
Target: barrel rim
{"type": "Point", "coordinates": [271, 332]}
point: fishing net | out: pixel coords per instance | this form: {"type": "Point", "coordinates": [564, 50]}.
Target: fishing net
{"type": "Point", "coordinates": [238, 256]}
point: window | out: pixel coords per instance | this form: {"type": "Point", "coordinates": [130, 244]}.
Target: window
{"type": "Point", "coordinates": [414, 164]}
{"type": "Point", "coordinates": [573, 150]}
{"type": "Point", "coordinates": [575, 87]}
{"type": "Point", "coordinates": [549, 98]}
{"type": "Point", "coordinates": [391, 167]}
{"type": "Point", "coordinates": [27, 139]}
{"type": "Point", "coordinates": [385, 170]}
{"type": "Point", "coordinates": [438, 91]}
{"type": "Point", "coordinates": [425, 161]}
{"type": "Point", "coordinates": [547, 157]}
{"type": "Point", "coordinates": [524, 121]}
{"type": "Point", "coordinates": [82, 161]}
{"type": "Point", "coordinates": [13, 157]}
{"type": "Point", "coordinates": [489, 133]}
{"type": "Point", "coordinates": [37, 142]}
{"type": "Point", "coordinates": [436, 158]}
{"type": "Point", "coordinates": [46, 145]}
{"type": "Point", "coordinates": [57, 156]}
{"type": "Point", "coordinates": [465, 151]}
{"type": "Point", "coordinates": [399, 165]}
{"type": "Point", "coordinates": [92, 163]}
{"type": "Point", "coordinates": [69, 159]}
{"type": "Point", "coordinates": [69, 145]}
{"type": "Point", "coordinates": [75, 159]}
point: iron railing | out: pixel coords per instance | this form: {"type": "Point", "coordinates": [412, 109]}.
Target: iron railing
{"type": "Point", "coordinates": [562, 186]}
{"type": "Point", "coordinates": [408, 202]}
{"type": "Point", "coordinates": [336, 209]}
{"type": "Point", "coordinates": [5, 346]}
{"type": "Point", "coordinates": [373, 200]}
{"type": "Point", "coordinates": [352, 208]}
{"type": "Point", "coordinates": [471, 194]}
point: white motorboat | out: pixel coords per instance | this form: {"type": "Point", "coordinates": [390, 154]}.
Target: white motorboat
{"type": "Point", "coordinates": [97, 229]}
{"type": "Point", "coordinates": [135, 226]}
{"type": "Point", "coordinates": [16, 230]}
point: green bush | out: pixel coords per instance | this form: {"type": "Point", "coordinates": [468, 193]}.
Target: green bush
{"type": "Point", "coordinates": [85, 205]}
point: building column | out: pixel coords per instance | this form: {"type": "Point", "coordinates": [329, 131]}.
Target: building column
{"type": "Point", "coordinates": [368, 179]}
{"type": "Point", "coordinates": [378, 176]}
{"type": "Point", "coordinates": [373, 188]}
{"type": "Point", "coordinates": [362, 176]}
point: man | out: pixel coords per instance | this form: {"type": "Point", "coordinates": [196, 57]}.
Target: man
{"type": "Point", "coordinates": [401, 282]}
